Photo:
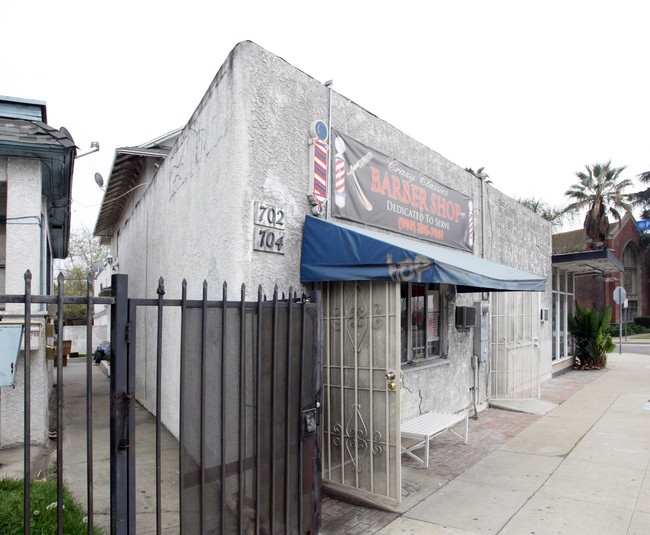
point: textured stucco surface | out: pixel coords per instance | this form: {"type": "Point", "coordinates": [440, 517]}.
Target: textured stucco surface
{"type": "Point", "coordinates": [248, 141]}
{"type": "Point", "coordinates": [12, 398]}
{"type": "Point", "coordinates": [24, 238]}
{"type": "Point", "coordinates": [77, 335]}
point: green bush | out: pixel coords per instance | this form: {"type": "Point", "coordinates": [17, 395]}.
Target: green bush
{"type": "Point", "coordinates": [632, 328]}
{"type": "Point", "coordinates": [589, 329]}
{"type": "Point", "coordinates": [643, 321]}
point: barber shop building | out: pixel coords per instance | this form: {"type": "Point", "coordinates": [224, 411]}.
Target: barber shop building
{"type": "Point", "coordinates": [435, 287]}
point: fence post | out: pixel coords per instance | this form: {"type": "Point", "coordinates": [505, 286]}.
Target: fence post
{"type": "Point", "coordinates": [122, 415]}
{"type": "Point", "coordinates": [27, 467]}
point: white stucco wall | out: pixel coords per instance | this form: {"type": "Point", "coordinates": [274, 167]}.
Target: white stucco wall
{"type": "Point", "coordinates": [77, 335]}
{"type": "Point", "coordinates": [12, 399]}
{"type": "Point", "coordinates": [24, 233]}
{"type": "Point", "coordinates": [248, 141]}
{"type": "Point", "coordinates": [25, 250]}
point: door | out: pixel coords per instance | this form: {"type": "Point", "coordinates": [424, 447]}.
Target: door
{"type": "Point", "coordinates": [515, 346]}
{"type": "Point", "coordinates": [361, 431]}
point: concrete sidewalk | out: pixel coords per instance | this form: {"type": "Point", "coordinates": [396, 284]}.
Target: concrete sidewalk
{"type": "Point", "coordinates": [582, 468]}
{"type": "Point", "coordinates": [74, 454]}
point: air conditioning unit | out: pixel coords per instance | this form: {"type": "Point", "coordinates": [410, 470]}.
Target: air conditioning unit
{"type": "Point", "coordinates": [465, 317]}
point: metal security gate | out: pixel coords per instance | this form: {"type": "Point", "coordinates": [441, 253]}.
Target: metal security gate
{"type": "Point", "coordinates": [248, 450]}
{"type": "Point", "coordinates": [515, 345]}
{"type": "Point", "coordinates": [361, 444]}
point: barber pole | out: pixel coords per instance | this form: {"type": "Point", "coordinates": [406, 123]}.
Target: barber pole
{"type": "Point", "coordinates": [339, 196]}
{"type": "Point", "coordinates": [339, 170]}
{"type": "Point", "coordinates": [320, 171]}
{"type": "Point", "coordinates": [318, 195]}
{"type": "Point", "coordinates": [470, 225]}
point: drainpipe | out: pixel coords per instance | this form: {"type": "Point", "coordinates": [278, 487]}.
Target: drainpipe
{"type": "Point", "coordinates": [482, 177]}
{"type": "Point", "coordinates": [328, 209]}
{"type": "Point", "coordinates": [475, 360]}
{"type": "Point", "coordinates": [475, 364]}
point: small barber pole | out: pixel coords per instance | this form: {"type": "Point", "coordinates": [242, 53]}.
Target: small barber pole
{"type": "Point", "coordinates": [339, 169]}
{"type": "Point", "coordinates": [318, 195]}
{"type": "Point", "coordinates": [339, 194]}
{"type": "Point", "coordinates": [470, 225]}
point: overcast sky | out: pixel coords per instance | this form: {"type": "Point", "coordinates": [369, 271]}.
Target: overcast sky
{"type": "Point", "coordinates": [532, 91]}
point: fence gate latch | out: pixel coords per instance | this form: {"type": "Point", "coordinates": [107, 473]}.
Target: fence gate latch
{"type": "Point", "coordinates": [123, 443]}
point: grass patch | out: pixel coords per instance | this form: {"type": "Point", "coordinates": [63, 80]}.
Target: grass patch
{"type": "Point", "coordinates": [43, 494]}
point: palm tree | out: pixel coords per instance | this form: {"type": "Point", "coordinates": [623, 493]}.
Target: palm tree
{"type": "Point", "coordinates": [543, 209]}
{"type": "Point", "coordinates": [600, 190]}
{"type": "Point", "coordinates": [479, 173]}
{"type": "Point", "coordinates": [642, 198]}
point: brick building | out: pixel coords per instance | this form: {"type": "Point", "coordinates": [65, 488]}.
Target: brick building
{"type": "Point", "coordinates": [621, 261]}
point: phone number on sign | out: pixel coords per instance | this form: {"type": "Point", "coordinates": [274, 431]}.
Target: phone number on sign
{"type": "Point", "coordinates": [420, 228]}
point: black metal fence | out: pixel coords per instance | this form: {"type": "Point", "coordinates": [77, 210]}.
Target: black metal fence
{"type": "Point", "coordinates": [58, 301]}
{"type": "Point", "coordinates": [249, 451]}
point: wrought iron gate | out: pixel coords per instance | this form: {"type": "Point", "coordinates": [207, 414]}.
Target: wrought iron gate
{"type": "Point", "coordinates": [249, 451]}
{"type": "Point", "coordinates": [361, 434]}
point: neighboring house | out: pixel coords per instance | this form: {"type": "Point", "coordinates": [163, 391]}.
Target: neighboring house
{"type": "Point", "coordinates": [408, 249]}
{"type": "Point", "coordinates": [36, 165]}
{"type": "Point", "coordinates": [589, 276]}
{"type": "Point", "coordinates": [102, 313]}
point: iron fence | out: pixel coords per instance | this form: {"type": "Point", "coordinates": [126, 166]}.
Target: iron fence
{"type": "Point", "coordinates": [249, 450]}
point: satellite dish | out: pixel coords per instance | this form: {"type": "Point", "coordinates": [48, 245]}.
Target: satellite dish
{"type": "Point", "coordinates": [99, 179]}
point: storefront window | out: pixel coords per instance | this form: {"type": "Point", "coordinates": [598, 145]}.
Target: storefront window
{"type": "Point", "coordinates": [420, 321]}
{"type": "Point", "coordinates": [563, 303]}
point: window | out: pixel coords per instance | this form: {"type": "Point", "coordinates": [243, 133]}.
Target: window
{"type": "Point", "coordinates": [420, 321]}
{"type": "Point", "coordinates": [563, 305]}
{"type": "Point", "coordinates": [631, 312]}
{"type": "Point", "coordinates": [631, 282]}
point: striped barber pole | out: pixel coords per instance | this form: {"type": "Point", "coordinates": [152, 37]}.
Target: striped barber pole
{"type": "Point", "coordinates": [339, 196]}
{"type": "Point", "coordinates": [470, 227]}
{"type": "Point", "coordinates": [320, 171]}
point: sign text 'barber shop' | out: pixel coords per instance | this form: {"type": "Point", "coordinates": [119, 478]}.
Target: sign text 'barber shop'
{"type": "Point", "coordinates": [382, 192]}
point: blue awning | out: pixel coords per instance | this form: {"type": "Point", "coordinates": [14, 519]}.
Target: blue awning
{"type": "Point", "coordinates": [335, 252]}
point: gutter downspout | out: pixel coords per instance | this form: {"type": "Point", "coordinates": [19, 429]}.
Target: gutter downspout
{"type": "Point", "coordinates": [328, 208]}
{"type": "Point", "coordinates": [482, 177]}
{"type": "Point", "coordinates": [476, 362]}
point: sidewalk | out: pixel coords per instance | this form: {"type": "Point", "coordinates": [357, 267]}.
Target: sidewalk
{"type": "Point", "coordinates": [582, 468]}
{"type": "Point", "coordinates": [74, 454]}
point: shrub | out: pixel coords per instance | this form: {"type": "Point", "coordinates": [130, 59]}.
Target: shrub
{"type": "Point", "coordinates": [592, 341]}
{"type": "Point", "coordinates": [632, 328]}
{"type": "Point", "coordinates": [643, 321]}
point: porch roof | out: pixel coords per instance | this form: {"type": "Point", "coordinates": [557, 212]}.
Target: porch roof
{"type": "Point", "coordinates": [597, 261]}
{"type": "Point", "coordinates": [333, 252]}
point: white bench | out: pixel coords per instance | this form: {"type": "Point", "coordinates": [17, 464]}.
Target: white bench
{"type": "Point", "coordinates": [428, 426]}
